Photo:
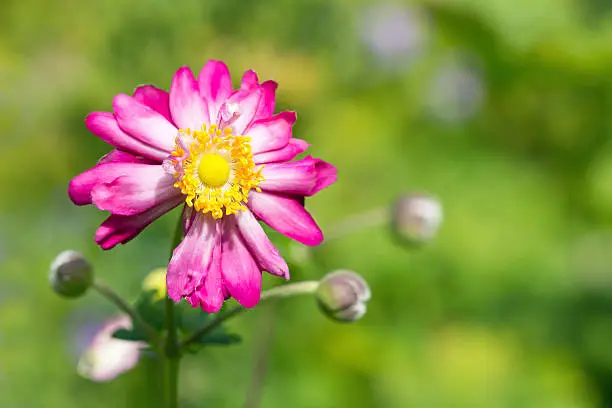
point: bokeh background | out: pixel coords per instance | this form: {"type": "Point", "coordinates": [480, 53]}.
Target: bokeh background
{"type": "Point", "coordinates": [501, 109]}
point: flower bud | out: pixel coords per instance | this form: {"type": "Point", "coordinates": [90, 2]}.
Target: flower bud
{"type": "Point", "coordinates": [342, 295]}
{"type": "Point", "coordinates": [415, 219]}
{"type": "Point", "coordinates": [71, 274]}
{"type": "Point", "coordinates": [156, 281]}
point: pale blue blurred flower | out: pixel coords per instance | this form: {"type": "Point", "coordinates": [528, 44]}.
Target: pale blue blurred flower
{"type": "Point", "coordinates": [456, 92]}
{"type": "Point", "coordinates": [397, 34]}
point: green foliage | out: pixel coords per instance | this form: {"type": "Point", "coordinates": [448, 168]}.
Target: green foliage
{"type": "Point", "coordinates": [130, 335]}
{"type": "Point", "coordinates": [151, 308]}
{"type": "Point", "coordinates": [189, 320]}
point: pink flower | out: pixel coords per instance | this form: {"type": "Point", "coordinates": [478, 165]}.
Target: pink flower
{"type": "Point", "coordinates": [227, 156]}
{"type": "Point", "coordinates": [107, 357]}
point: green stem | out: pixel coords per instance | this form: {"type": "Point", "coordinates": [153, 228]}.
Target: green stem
{"type": "Point", "coordinates": [107, 292]}
{"type": "Point", "coordinates": [283, 291]}
{"type": "Point", "coordinates": [172, 360]}
{"type": "Point", "coordinates": [171, 350]}
{"type": "Point", "coordinates": [265, 332]}
{"type": "Point", "coordinates": [357, 222]}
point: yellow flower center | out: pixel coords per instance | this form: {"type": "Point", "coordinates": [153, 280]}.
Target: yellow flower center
{"type": "Point", "coordinates": [217, 172]}
{"type": "Point", "coordinates": [213, 170]}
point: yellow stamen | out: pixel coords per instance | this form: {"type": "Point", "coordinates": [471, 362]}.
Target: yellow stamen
{"type": "Point", "coordinates": [218, 172]}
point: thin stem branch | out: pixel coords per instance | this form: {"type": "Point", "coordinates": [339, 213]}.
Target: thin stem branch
{"type": "Point", "coordinates": [353, 223]}
{"type": "Point", "coordinates": [171, 362]}
{"type": "Point", "coordinates": [112, 296]}
{"type": "Point", "coordinates": [171, 350]}
{"type": "Point", "coordinates": [283, 291]}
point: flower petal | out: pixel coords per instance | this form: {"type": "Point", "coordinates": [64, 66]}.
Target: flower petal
{"type": "Point", "coordinates": [119, 229]}
{"type": "Point", "coordinates": [210, 294]}
{"type": "Point", "coordinates": [302, 177]}
{"type": "Point", "coordinates": [189, 214]}
{"type": "Point", "coordinates": [249, 81]}
{"type": "Point", "coordinates": [188, 109]}
{"type": "Point", "coordinates": [81, 186]}
{"type": "Point", "coordinates": [215, 85]}
{"type": "Point", "coordinates": [287, 216]}
{"type": "Point", "coordinates": [107, 357]}
{"type": "Point", "coordinates": [267, 101]}
{"type": "Point", "coordinates": [105, 126]}
{"type": "Point", "coordinates": [287, 153]}
{"type": "Point", "coordinates": [241, 275]}
{"type": "Point", "coordinates": [192, 257]}
{"type": "Point", "coordinates": [143, 188]}
{"type": "Point", "coordinates": [272, 133]}
{"type": "Point", "coordinates": [226, 294]}
{"type": "Point", "coordinates": [119, 156]}
{"type": "Point", "coordinates": [155, 98]}
{"type": "Point", "coordinates": [246, 103]}
{"type": "Point", "coordinates": [262, 249]}
{"type": "Point", "coordinates": [145, 124]}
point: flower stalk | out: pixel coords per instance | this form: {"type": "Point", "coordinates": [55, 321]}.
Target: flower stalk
{"type": "Point", "coordinates": [172, 355]}
{"type": "Point", "coordinates": [357, 222]}
{"type": "Point", "coordinates": [172, 358]}
{"type": "Point", "coordinates": [113, 297]}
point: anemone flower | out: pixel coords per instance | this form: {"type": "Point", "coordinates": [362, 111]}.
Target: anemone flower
{"type": "Point", "coordinates": [225, 156]}
{"type": "Point", "coordinates": [107, 357]}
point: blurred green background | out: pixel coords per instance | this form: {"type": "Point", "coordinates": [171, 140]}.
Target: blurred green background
{"type": "Point", "coordinates": [503, 110]}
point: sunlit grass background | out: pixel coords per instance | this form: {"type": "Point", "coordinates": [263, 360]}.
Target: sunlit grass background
{"type": "Point", "coordinates": [501, 109]}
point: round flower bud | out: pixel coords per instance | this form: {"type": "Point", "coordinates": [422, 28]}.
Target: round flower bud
{"type": "Point", "coordinates": [156, 281]}
{"type": "Point", "coordinates": [342, 295]}
{"type": "Point", "coordinates": [415, 219]}
{"type": "Point", "coordinates": [71, 274]}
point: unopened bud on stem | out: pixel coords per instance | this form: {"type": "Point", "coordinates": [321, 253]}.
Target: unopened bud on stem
{"type": "Point", "coordinates": [416, 218]}
{"type": "Point", "coordinates": [156, 281]}
{"type": "Point", "coordinates": [342, 295]}
{"type": "Point", "coordinates": [71, 274]}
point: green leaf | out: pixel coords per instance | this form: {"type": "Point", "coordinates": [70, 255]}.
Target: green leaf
{"type": "Point", "coordinates": [130, 335]}
{"type": "Point", "coordinates": [190, 320]}
{"type": "Point", "coordinates": [151, 308]}
{"type": "Point", "coordinates": [220, 338]}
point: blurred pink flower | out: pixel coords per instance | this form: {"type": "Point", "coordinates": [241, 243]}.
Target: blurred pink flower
{"type": "Point", "coordinates": [107, 357]}
{"type": "Point", "coordinates": [226, 155]}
